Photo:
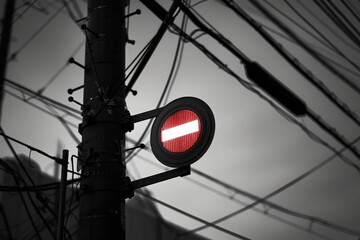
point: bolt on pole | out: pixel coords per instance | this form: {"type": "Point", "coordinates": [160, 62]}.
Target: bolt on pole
{"type": "Point", "coordinates": [101, 152]}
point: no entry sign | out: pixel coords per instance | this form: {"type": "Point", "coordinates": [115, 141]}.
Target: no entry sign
{"type": "Point", "coordinates": [182, 132]}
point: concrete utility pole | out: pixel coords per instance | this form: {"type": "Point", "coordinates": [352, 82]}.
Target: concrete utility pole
{"type": "Point", "coordinates": [101, 153]}
{"type": "Point", "coordinates": [4, 45]}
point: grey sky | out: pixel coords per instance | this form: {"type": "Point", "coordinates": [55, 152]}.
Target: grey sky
{"type": "Point", "coordinates": [254, 149]}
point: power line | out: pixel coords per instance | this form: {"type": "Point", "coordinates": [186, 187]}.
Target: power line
{"type": "Point", "coordinates": [37, 32]}
{"type": "Point", "coordinates": [168, 85]}
{"type": "Point", "coordinates": [303, 18]}
{"type": "Point", "coordinates": [324, 125]}
{"type": "Point", "coordinates": [265, 201]}
{"type": "Point", "coordinates": [341, 25]}
{"type": "Point", "coordinates": [293, 61]}
{"type": "Point", "coordinates": [329, 28]}
{"type": "Point", "coordinates": [236, 235]}
{"type": "Point", "coordinates": [27, 210]}
{"type": "Point", "coordinates": [32, 182]}
{"type": "Point", "coordinates": [286, 29]}
{"type": "Point", "coordinates": [20, 15]}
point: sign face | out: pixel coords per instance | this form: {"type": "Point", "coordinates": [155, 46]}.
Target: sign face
{"type": "Point", "coordinates": [182, 132]}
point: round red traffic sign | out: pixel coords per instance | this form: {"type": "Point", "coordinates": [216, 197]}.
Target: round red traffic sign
{"type": "Point", "coordinates": [182, 132]}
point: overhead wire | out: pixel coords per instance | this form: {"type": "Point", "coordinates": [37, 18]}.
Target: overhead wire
{"type": "Point", "coordinates": [231, 233]}
{"type": "Point", "coordinates": [39, 108]}
{"type": "Point", "coordinates": [298, 39]}
{"type": "Point", "coordinates": [347, 21]}
{"type": "Point", "coordinates": [250, 87]}
{"type": "Point", "coordinates": [281, 189]}
{"type": "Point", "coordinates": [27, 210]}
{"type": "Point", "coordinates": [57, 74]}
{"type": "Point", "coordinates": [293, 61]}
{"type": "Point", "coordinates": [265, 201]}
{"type": "Point", "coordinates": [327, 27]}
{"type": "Point", "coordinates": [341, 25]}
{"type": "Point", "coordinates": [60, 106]}
{"type": "Point", "coordinates": [351, 10]}
{"type": "Point", "coordinates": [92, 59]}
{"type": "Point", "coordinates": [38, 195]}
{"type": "Point", "coordinates": [167, 87]}
{"type": "Point", "coordinates": [333, 47]}
{"type": "Point", "coordinates": [29, 5]}
{"type": "Point", "coordinates": [327, 58]}
{"type": "Point", "coordinates": [234, 199]}
{"type": "Point", "coordinates": [35, 34]}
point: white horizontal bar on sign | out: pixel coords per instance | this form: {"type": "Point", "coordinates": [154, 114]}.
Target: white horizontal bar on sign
{"type": "Point", "coordinates": [180, 130]}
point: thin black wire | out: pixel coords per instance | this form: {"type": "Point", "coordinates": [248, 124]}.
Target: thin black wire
{"type": "Point", "coordinates": [232, 198]}
{"type": "Point", "coordinates": [37, 32]}
{"type": "Point", "coordinates": [27, 210]}
{"type": "Point", "coordinates": [328, 27]}
{"type": "Point", "coordinates": [33, 183]}
{"type": "Point", "coordinates": [20, 15]}
{"type": "Point", "coordinates": [250, 87]}
{"type": "Point", "coordinates": [281, 189]}
{"type": "Point", "coordinates": [64, 124]}
{"type": "Point", "coordinates": [308, 49]}
{"type": "Point", "coordinates": [329, 59]}
{"type": "Point", "coordinates": [312, 26]}
{"type": "Point", "coordinates": [137, 59]}
{"type": "Point", "coordinates": [39, 108]}
{"type": "Point", "coordinates": [284, 187]}
{"type": "Point", "coordinates": [51, 80]}
{"type": "Point", "coordinates": [294, 62]}
{"type": "Point", "coordinates": [351, 10]}
{"type": "Point", "coordinates": [332, 16]}
{"type": "Point", "coordinates": [42, 187]}
{"type": "Point", "coordinates": [166, 89]}
{"type": "Point", "coordinates": [97, 79]}
{"type": "Point", "coordinates": [334, 13]}
{"type": "Point", "coordinates": [236, 235]}
{"type": "Point", "coordinates": [62, 107]}
{"type": "Point", "coordinates": [347, 21]}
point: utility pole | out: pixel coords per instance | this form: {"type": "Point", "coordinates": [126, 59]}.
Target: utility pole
{"type": "Point", "coordinates": [4, 45]}
{"type": "Point", "coordinates": [101, 152]}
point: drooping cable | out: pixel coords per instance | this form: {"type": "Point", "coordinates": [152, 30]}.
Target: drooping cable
{"type": "Point", "coordinates": [265, 201]}
{"type": "Point", "coordinates": [308, 49]}
{"type": "Point", "coordinates": [281, 189]}
{"type": "Point", "coordinates": [293, 61]}
{"type": "Point", "coordinates": [32, 182]}
{"type": "Point", "coordinates": [312, 26]}
{"type": "Point", "coordinates": [351, 10]}
{"type": "Point", "coordinates": [329, 28]}
{"type": "Point", "coordinates": [39, 108]}
{"type": "Point", "coordinates": [36, 33]}
{"type": "Point", "coordinates": [323, 5]}
{"type": "Point", "coordinates": [347, 21]}
{"type": "Point", "coordinates": [29, 5]}
{"type": "Point", "coordinates": [231, 233]}
{"type": "Point", "coordinates": [166, 89]}
{"type": "Point", "coordinates": [250, 87]}
{"type": "Point", "coordinates": [57, 74]}
{"type": "Point", "coordinates": [27, 210]}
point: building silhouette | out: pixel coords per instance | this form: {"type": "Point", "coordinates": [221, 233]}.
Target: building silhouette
{"type": "Point", "coordinates": [21, 212]}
